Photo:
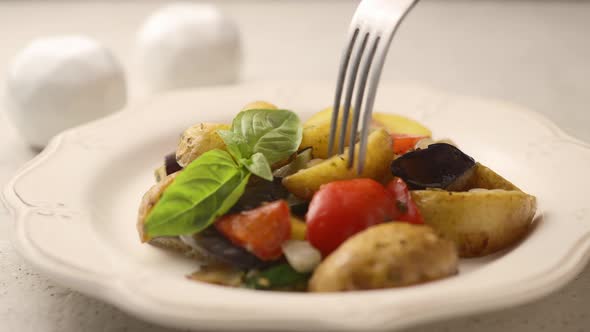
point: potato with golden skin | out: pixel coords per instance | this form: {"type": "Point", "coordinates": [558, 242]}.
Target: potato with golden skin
{"type": "Point", "coordinates": [203, 137]}
{"type": "Point", "coordinates": [149, 200]}
{"type": "Point", "coordinates": [379, 156]}
{"type": "Point", "coordinates": [485, 178]}
{"type": "Point", "coordinates": [316, 130]}
{"type": "Point", "coordinates": [197, 140]}
{"type": "Point", "coordinates": [259, 104]}
{"type": "Point", "coordinates": [393, 254]}
{"type": "Point", "coordinates": [316, 133]}
{"type": "Point", "coordinates": [399, 124]}
{"type": "Point", "coordinates": [492, 216]}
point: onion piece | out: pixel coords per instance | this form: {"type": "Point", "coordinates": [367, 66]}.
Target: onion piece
{"type": "Point", "coordinates": [299, 163]}
{"type": "Point", "coordinates": [301, 255]}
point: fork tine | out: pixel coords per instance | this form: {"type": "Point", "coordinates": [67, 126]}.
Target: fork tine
{"type": "Point", "coordinates": [375, 73]}
{"type": "Point", "coordinates": [382, 18]}
{"type": "Point", "coordinates": [349, 92]}
{"type": "Point", "coordinates": [357, 110]}
{"type": "Point", "coordinates": [338, 94]}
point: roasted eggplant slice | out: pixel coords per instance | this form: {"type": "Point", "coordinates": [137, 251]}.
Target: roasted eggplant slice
{"type": "Point", "coordinates": [438, 166]}
{"type": "Point", "coordinates": [171, 164]}
{"type": "Point", "coordinates": [258, 192]}
{"type": "Point", "coordinates": [170, 167]}
{"type": "Point", "coordinates": [212, 243]}
{"type": "Point", "coordinates": [297, 206]}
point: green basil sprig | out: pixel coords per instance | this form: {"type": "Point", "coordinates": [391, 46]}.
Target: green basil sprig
{"type": "Point", "coordinates": [210, 185]}
{"type": "Point", "coordinates": [259, 138]}
{"type": "Point", "coordinates": [207, 188]}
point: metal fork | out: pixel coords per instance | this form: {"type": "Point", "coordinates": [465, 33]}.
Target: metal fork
{"type": "Point", "coordinates": [372, 28]}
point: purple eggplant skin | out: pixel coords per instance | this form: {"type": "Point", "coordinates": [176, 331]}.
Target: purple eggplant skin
{"type": "Point", "coordinates": [216, 245]}
{"type": "Point", "coordinates": [170, 163]}
{"type": "Point", "coordinates": [437, 166]}
{"type": "Point", "coordinates": [260, 192]}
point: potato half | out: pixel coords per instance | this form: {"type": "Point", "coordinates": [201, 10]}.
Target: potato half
{"type": "Point", "coordinates": [400, 124]}
{"type": "Point", "coordinates": [392, 254]}
{"type": "Point", "coordinates": [316, 130]}
{"type": "Point", "coordinates": [149, 200]}
{"type": "Point", "coordinates": [480, 222]}
{"type": "Point", "coordinates": [379, 156]}
{"type": "Point", "coordinates": [259, 104]}
{"type": "Point", "coordinates": [197, 140]}
{"type": "Point", "coordinates": [316, 133]}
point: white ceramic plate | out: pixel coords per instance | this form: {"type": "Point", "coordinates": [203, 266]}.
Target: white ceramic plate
{"type": "Point", "coordinates": [75, 209]}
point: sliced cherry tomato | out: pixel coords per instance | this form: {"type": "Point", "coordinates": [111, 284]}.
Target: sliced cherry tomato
{"type": "Point", "coordinates": [404, 209]}
{"type": "Point", "coordinates": [403, 143]}
{"type": "Point", "coordinates": [261, 231]}
{"type": "Point", "coordinates": [342, 208]}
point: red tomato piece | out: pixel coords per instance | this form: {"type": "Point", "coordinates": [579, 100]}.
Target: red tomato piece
{"type": "Point", "coordinates": [341, 209]}
{"type": "Point", "coordinates": [261, 231]}
{"type": "Point", "coordinates": [402, 143]}
{"type": "Point", "coordinates": [404, 209]}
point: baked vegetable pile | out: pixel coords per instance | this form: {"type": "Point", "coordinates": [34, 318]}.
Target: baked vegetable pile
{"type": "Point", "coordinates": [260, 204]}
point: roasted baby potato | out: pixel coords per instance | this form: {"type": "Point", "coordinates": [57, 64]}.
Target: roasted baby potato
{"type": "Point", "coordinates": [259, 104]}
{"type": "Point", "coordinates": [492, 216]}
{"type": "Point", "coordinates": [316, 133]}
{"type": "Point", "coordinates": [392, 254]}
{"type": "Point", "coordinates": [149, 200]}
{"type": "Point", "coordinates": [485, 178]}
{"type": "Point", "coordinates": [197, 140]}
{"type": "Point", "coordinates": [316, 130]}
{"type": "Point", "coordinates": [400, 124]}
{"type": "Point", "coordinates": [379, 155]}
{"type": "Point", "coordinates": [160, 173]}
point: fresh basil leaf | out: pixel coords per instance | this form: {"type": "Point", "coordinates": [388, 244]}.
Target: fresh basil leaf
{"type": "Point", "coordinates": [235, 195]}
{"type": "Point", "coordinates": [274, 133]}
{"type": "Point", "coordinates": [207, 188]}
{"type": "Point", "coordinates": [236, 144]}
{"type": "Point", "coordinates": [258, 166]}
{"type": "Point", "coordinates": [239, 149]}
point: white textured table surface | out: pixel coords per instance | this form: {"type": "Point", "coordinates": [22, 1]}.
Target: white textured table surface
{"type": "Point", "coordinates": [534, 53]}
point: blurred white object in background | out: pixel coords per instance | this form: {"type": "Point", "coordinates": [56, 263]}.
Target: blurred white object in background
{"type": "Point", "coordinates": [59, 82]}
{"type": "Point", "coordinates": [188, 44]}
